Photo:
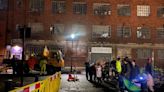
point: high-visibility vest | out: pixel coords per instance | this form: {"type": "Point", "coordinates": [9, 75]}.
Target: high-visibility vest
{"type": "Point", "coordinates": [118, 66]}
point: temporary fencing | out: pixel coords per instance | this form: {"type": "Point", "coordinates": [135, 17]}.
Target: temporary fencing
{"type": "Point", "coordinates": [50, 84]}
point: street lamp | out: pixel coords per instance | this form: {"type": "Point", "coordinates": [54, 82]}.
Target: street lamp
{"type": "Point", "coordinates": [72, 38]}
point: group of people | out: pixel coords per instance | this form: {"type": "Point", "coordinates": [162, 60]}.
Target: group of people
{"type": "Point", "coordinates": [118, 68]}
{"type": "Point", "coordinates": [45, 64]}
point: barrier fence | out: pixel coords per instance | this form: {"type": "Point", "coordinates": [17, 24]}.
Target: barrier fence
{"type": "Point", "coordinates": [50, 84]}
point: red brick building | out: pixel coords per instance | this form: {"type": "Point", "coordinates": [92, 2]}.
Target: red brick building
{"type": "Point", "coordinates": [133, 28]}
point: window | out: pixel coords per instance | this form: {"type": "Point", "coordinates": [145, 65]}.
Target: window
{"type": "Point", "coordinates": [79, 8]}
{"type": "Point", "coordinates": [57, 29]}
{"type": "Point", "coordinates": [58, 6]}
{"type": "Point", "coordinates": [144, 53]}
{"type": "Point", "coordinates": [160, 33]}
{"type": "Point", "coordinates": [143, 33]}
{"type": "Point", "coordinates": [160, 12]}
{"type": "Point", "coordinates": [124, 52]}
{"type": "Point", "coordinates": [19, 4]}
{"type": "Point", "coordinates": [101, 31]}
{"type": "Point", "coordinates": [78, 28]}
{"type": "Point", "coordinates": [3, 4]}
{"type": "Point", "coordinates": [34, 49]}
{"type": "Point", "coordinates": [143, 10]}
{"type": "Point", "coordinates": [123, 31]}
{"type": "Point", "coordinates": [160, 53]}
{"type": "Point", "coordinates": [123, 10]}
{"type": "Point", "coordinates": [36, 27]}
{"type": "Point", "coordinates": [102, 9]}
{"type": "Point", "coordinates": [36, 5]}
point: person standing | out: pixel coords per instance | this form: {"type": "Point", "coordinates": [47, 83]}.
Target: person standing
{"type": "Point", "coordinates": [128, 67]}
{"type": "Point", "coordinates": [99, 72]}
{"type": "Point", "coordinates": [112, 68]}
{"type": "Point", "coordinates": [87, 69]}
{"type": "Point", "coordinates": [124, 67]}
{"type": "Point", "coordinates": [148, 67]}
{"type": "Point", "coordinates": [32, 61]}
{"type": "Point", "coordinates": [150, 82]}
{"type": "Point", "coordinates": [91, 71]}
{"type": "Point", "coordinates": [134, 70]}
{"type": "Point", "coordinates": [118, 66]}
{"type": "Point", "coordinates": [14, 64]}
{"type": "Point", "coordinates": [43, 63]}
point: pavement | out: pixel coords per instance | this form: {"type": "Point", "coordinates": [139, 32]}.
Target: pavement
{"type": "Point", "coordinates": [83, 85]}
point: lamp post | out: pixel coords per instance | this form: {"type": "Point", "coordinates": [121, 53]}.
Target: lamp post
{"type": "Point", "coordinates": [72, 38]}
{"type": "Point", "coordinates": [23, 54]}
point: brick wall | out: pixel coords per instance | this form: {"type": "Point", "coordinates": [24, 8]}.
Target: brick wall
{"type": "Point", "coordinates": [22, 15]}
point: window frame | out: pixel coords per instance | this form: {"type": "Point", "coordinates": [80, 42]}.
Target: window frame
{"type": "Point", "coordinates": [59, 27]}
{"type": "Point", "coordinates": [159, 53]}
{"type": "Point", "coordinates": [141, 33]}
{"type": "Point", "coordinates": [121, 29]}
{"type": "Point", "coordinates": [158, 11]}
{"type": "Point", "coordinates": [109, 30]}
{"type": "Point", "coordinates": [98, 9]}
{"type": "Point", "coordinates": [160, 29]}
{"type": "Point", "coordinates": [35, 7]}
{"type": "Point", "coordinates": [143, 10]}
{"type": "Point", "coordinates": [122, 10]}
{"type": "Point", "coordinates": [36, 27]}
{"type": "Point", "coordinates": [60, 8]}
{"type": "Point", "coordinates": [144, 53]}
{"type": "Point", "coordinates": [79, 8]}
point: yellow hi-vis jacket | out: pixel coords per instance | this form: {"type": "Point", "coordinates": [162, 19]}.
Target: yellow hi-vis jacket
{"type": "Point", "coordinates": [118, 66]}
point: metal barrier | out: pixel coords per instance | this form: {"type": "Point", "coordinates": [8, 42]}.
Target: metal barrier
{"type": "Point", "coordinates": [50, 84]}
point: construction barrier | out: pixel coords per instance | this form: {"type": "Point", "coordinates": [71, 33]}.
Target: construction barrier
{"type": "Point", "coordinates": [50, 84]}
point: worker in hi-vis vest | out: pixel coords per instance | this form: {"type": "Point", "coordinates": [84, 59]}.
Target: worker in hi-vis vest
{"type": "Point", "coordinates": [118, 65]}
